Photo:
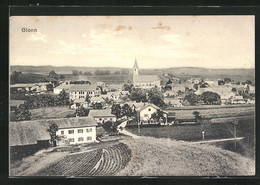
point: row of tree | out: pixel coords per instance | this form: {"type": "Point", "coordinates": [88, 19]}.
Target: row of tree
{"type": "Point", "coordinates": [208, 98]}
{"type": "Point", "coordinates": [47, 100]}
{"type": "Point", "coordinates": [153, 96]}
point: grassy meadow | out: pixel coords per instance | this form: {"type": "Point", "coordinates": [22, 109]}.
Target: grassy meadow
{"type": "Point", "coordinates": [50, 112]}
{"type": "Point", "coordinates": [164, 157]}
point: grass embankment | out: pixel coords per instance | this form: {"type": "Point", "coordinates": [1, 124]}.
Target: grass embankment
{"type": "Point", "coordinates": [164, 157]}
{"type": "Point", "coordinates": [50, 112]}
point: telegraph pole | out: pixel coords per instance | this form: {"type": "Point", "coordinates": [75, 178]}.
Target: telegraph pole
{"type": "Point", "coordinates": [235, 134]}
{"type": "Point", "coordinates": [138, 123]}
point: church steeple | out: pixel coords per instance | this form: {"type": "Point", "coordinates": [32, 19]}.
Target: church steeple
{"type": "Point", "coordinates": [135, 69]}
{"type": "Point", "coordinates": [135, 72]}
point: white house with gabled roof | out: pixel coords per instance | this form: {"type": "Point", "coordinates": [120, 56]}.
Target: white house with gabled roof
{"type": "Point", "coordinates": [77, 131]}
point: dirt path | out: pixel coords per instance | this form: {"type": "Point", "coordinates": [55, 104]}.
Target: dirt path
{"type": "Point", "coordinates": [125, 132]}
{"type": "Point", "coordinates": [217, 140]}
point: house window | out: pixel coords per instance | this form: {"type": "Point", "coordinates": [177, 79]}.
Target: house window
{"type": "Point", "coordinates": [149, 109]}
{"type": "Point", "coordinates": [89, 129]}
{"type": "Point", "coordinates": [71, 140]}
{"type": "Point", "coordinates": [71, 131]}
{"type": "Point", "coordinates": [62, 132]}
{"type": "Point", "coordinates": [80, 130]}
{"type": "Point", "coordinates": [145, 115]}
{"type": "Point", "coordinates": [80, 139]}
{"type": "Point", "coordinates": [89, 138]}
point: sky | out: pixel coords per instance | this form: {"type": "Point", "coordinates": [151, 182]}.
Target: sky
{"type": "Point", "coordinates": [115, 41]}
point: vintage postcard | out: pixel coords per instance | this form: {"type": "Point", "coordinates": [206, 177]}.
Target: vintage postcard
{"type": "Point", "coordinates": [132, 96]}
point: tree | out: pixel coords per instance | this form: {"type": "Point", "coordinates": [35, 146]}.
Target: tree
{"type": "Point", "coordinates": [158, 115]}
{"type": "Point", "coordinates": [138, 95]}
{"type": "Point", "coordinates": [196, 86]}
{"type": "Point", "coordinates": [117, 72]}
{"type": "Point", "coordinates": [75, 73]}
{"type": "Point", "coordinates": [109, 126]}
{"type": "Point", "coordinates": [80, 73]}
{"type": "Point", "coordinates": [87, 73]}
{"type": "Point", "coordinates": [63, 97]}
{"type": "Point", "coordinates": [88, 99]}
{"type": "Point", "coordinates": [126, 111]}
{"type": "Point", "coordinates": [227, 80]}
{"type": "Point", "coordinates": [54, 75]}
{"type": "Point", "coordinates": [15, 76]}
{"type": "Point", "coordinates": [128, 87]}
{"type": "Point", "coordinates": [62, 77]}
{"type": "Point", "coordinates": [53, 128]}
{"type": "Point", "coordinates": [116, 110]}
{"type": "Point", "coordinates": [234, 90]}
{"type": "Point", "coordinates": [81, 112]}
{"type": "Point", "coordinates": [169, 82]}
{"type": "Point", "coordinates": [156, 97]}
{"type": "Point", "coordinates": [97, 106]}
{"type": "Point", "coordinates": [21, 113]}
{"type": "Point", "coordinates": [168, 88]}
{"type": "Point", "coordinates": [248, 82]}
{"type": "Point", "coordinates": [192, 99]}
{"type": "Point", "coordinates": [197, 116]}
{"type": "Point", "coordinates": [210, 98]}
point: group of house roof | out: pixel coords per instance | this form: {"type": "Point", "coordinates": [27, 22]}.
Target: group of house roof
{"type": "Point", "coordinates": [73, 130]}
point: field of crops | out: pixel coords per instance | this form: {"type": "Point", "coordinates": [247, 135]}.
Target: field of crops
{"type": "Point", "coordinates": [215, 113]}
{"type": "Point", "coordinates": [107, 161]}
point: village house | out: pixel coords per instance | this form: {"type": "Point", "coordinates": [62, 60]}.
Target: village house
{"type": "Point", "coordinates": [77, 131]}
{"type": "Point", "coordinates": [17, 88]}
{"type": "Point", "coordinates": [102, 115]}
{"type": "Point", "coordinates": [145, 111]}
{"type": "Point", "coordinates": [144, 81]}
{"type": "Point", "coordinates": [212, 82]}
{"type": "Point", "coordinates": [26, 137]}
{"type": "Point", "coordinates": [79, 92]}
{"type": "Point", "coordinates": [194, 80]}
{"type": "Point", "coordinates": [59, 88]}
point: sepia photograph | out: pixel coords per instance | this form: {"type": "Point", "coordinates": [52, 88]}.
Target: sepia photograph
{"type": "Point", "coordinates": [169, 95]}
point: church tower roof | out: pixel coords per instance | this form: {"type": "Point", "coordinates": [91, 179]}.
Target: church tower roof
{"type": "Point", "coordinates": [135, 65]}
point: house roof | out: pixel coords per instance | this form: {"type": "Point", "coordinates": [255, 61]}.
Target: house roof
{"type": "Point", "coordinates": [29, 132]}
{"type": "Point", "coordinates": [148, 105]}
{"type": "Point", "coordinates": [147, 78]}
{"type": "Point", "coordinates": [101, 113]}
{"type": "Point", "coordinates": [97, 98]}
{"type": "Point", "coordinates": [83, 87]}
{"type": "Point", "coordinates": [22, 85]}
{"type": "Point", "coordinates": [63, 86]}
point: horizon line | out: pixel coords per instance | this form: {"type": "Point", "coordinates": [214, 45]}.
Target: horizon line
{"type": "Point", "coordinates": [128, 67]}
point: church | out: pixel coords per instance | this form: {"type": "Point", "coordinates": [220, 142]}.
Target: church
{"type": "Point", "coordinates": [144, 81]}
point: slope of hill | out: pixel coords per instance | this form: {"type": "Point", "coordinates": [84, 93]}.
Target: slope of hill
{"type": "Point", "coordinates": [164, 157]}
{"type": "Point", "coordinates": [146, 156]}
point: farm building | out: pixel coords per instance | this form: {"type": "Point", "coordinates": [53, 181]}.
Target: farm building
{"type": "Point", "coordinates": [145, 111]}
{"type": "Point", "coordinates": [16, 88]}
{"type": "Point", "coordinates": [78, 92]}
{"type": "Point", "coordinates": [77, 131]}
{"type": "Point", "coordinates": [27, 137]}
{"type": "Point", "coordinates": [144, 81]}
{"type": "Point", "coordinates": [102, 115]}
